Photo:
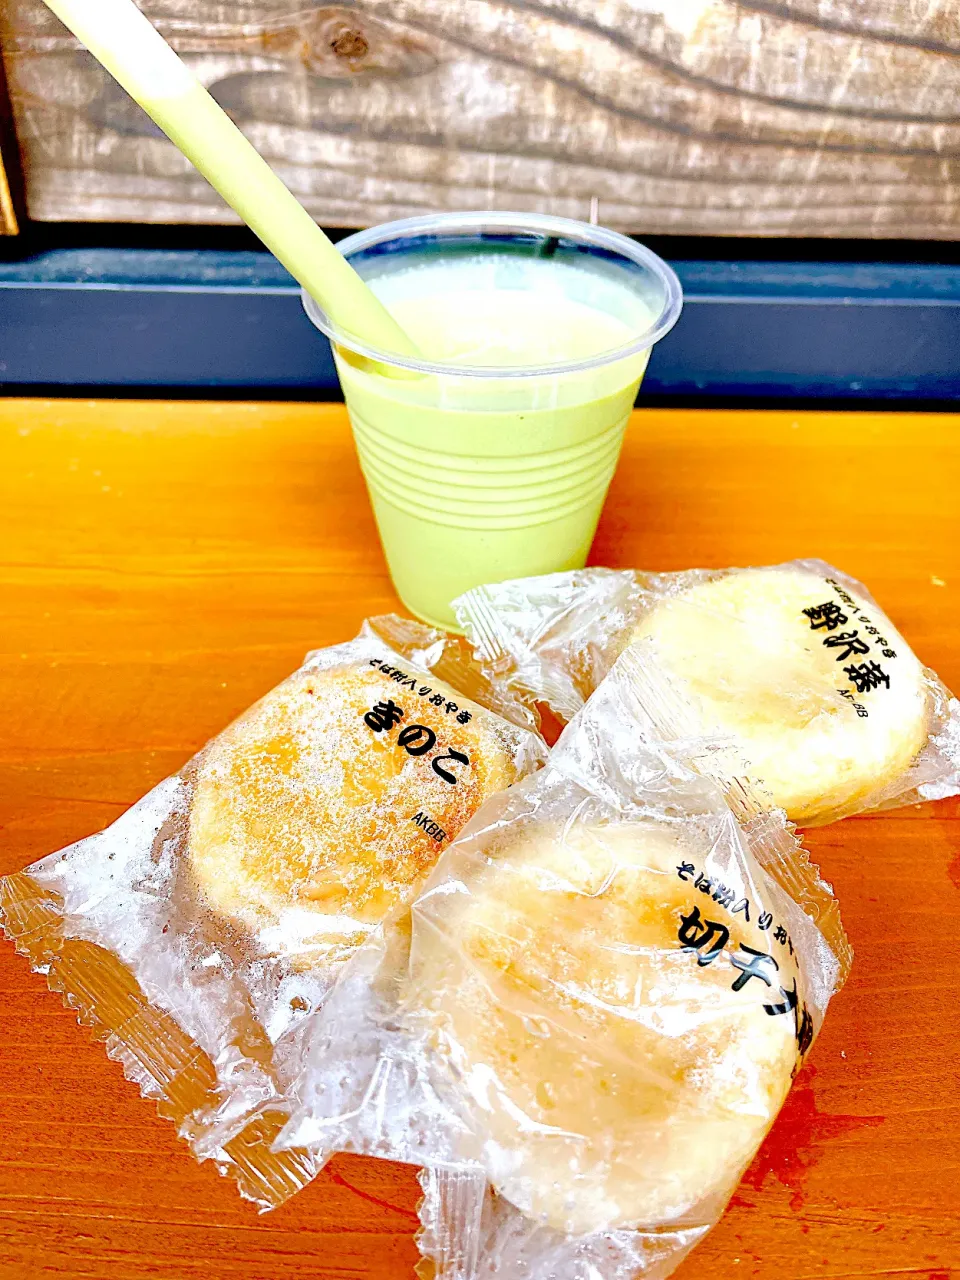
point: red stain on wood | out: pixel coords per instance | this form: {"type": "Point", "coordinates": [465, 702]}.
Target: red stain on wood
{"type": "Point", "coordinates": [792, 1147]}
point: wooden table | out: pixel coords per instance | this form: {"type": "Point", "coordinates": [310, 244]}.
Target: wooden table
{"type": "Point", "coordinates": [164, 564]}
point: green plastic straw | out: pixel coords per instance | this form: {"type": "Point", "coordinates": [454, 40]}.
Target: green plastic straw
{"type": "Point", "coordinates": [137, 56]}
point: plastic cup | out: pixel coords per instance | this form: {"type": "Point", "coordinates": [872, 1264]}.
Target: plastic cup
{"type": "Point", "coordinates": [482, 472]}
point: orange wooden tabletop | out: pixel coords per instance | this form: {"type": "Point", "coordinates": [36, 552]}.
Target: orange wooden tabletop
{"type": "Point", "coordinates": [162, 565]}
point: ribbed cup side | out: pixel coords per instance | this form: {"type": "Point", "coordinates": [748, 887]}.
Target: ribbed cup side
{"type": "Point", "coordinates": [474, 492]}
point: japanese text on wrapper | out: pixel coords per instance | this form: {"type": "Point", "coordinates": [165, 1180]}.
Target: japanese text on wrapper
{"type": "Point", "coordinates": [417, 739]}
{"type": "Point", "coordinates": [710, 940]}
{"type": "Point", "coordinates": [407, 681]}
{"type": "Point", "coordinates": [851, 644]}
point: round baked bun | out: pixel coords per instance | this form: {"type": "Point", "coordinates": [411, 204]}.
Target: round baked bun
{"type": "Point", "coordinates": [616, 1080]}
{"type": "Point", "coordinates": [307, 826]}
{"type": "Point", "coordinates": [820, 738]}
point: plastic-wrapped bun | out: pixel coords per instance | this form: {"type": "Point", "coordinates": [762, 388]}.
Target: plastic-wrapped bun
{"type": "Point", "coordinates": [795, 662]}
{"type": "Point", "coordinates": [594, 1009]}
{"type": "Point", "coordinates": [624, 1079]}
{"type": "Point", "coordinates": [320, 810]}
{"type": "Point", "coordinates": [197, 933]}
{"type": "Point", "coordinates": [827, 714]}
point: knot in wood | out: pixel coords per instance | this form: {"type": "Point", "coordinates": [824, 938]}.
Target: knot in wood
{"type": "Point", "coordinates": [350, 43]}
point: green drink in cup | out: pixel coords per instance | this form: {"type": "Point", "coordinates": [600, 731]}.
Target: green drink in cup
{"type": "Point", "coordinates": [489, 454]}
{"type": "Point", "coordinates": [489, 362]}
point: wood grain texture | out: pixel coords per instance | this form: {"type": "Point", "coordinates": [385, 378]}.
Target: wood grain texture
{"type": "Point", "coordinates": [767, 117]}
{"type": "Point", "coordinates": [161, 565]}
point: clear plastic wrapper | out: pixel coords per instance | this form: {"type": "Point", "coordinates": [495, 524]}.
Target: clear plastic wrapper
{"type": "Point", "coordinates": [797, 661]}
{"type": "Point", "coordinates": [593, 1012]}
{"type": "Point", "coordinates": [196, 933]}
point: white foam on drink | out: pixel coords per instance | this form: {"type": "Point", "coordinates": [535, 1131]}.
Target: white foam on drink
{"type": "Point", "coordinates": [497, 310]}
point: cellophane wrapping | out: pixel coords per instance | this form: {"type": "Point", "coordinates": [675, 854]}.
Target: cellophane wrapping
{"type": "Point", "coordinates": [589, 1019]}
{"type": "Point", "coordinates": [151, 933]}
{"type": "Point", "coordinates": [836, 714]}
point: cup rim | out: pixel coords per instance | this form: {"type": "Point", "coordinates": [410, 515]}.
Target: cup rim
{"type": "Point", "coordinates": [497, 220]}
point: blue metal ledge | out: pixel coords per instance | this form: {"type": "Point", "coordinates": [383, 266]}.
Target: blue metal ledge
{"type": "Point", "coordinates": [214, 322]}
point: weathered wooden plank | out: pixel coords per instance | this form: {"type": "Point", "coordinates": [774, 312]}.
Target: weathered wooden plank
{"type": "Point", "coordinates": [791, 118]}
{"type": "Point", "coordinates": [930, 23]}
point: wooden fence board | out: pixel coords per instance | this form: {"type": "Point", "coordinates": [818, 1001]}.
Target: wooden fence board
{"type": "Point", "coordinates": [679, 116]}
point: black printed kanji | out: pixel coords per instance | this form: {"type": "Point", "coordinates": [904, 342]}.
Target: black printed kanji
{"type": "Point", "coordinates": [463, 717]}
{"type": "Point", "coordinates": [385, 715]}
{"type": "Point", "coordinates": [867, 676]}
{"type": "Point", "coordinates": [695, 933]}
{"type": "Point", "coordinates": [723, 895]}
{"type": "Point", "coordinates": [802, 1021]}
{"type": "Point", "coordinates": [685, 869]}
{"type": "Point", "coordinates": [804, 1029]}
{"type": "Point", "coordinates": [752, 966]}
{"type": "Point", "coordinates": [787, 1006]}
{"type": "Point", "coordinates": [417, 739]}
{"type": "Point", "coordinates": [827, 615]}
{"type": "Point", "coordinates": [445, 774]}
{"type": "Point", "coordinates": [849, 642]}
{"type": "Point", "coordinates": [765, 921]}
{"type": "Point", "coordinates": [743, 905]}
